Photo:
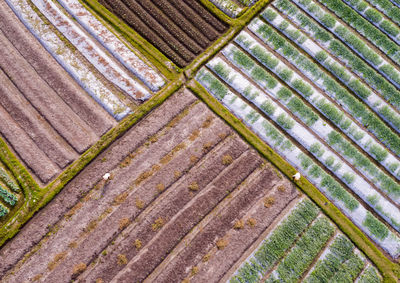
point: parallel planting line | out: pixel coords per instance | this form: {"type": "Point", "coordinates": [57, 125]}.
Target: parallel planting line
{"type": "Point", "coordinates": [334, 191]}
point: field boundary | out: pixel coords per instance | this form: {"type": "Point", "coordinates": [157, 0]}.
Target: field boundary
{"type": "Point", "coordinates": [150, 52]}
{"type": "Point", "coordinates": [36, 197]}
{"type": "Point", "coordinates": [390, 270]}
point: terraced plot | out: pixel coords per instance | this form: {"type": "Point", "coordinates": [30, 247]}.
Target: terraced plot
{"type": "Point", "coordinates": [180, 167]}
{"type": "Point", "coordinates": [309, 92]}
{"type": "Point", "coordinates": [180, 29]}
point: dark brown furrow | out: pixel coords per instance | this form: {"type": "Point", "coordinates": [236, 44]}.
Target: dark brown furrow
{"type": "Point", "coordinates": [181, 21]}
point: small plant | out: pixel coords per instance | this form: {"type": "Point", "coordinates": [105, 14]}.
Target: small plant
{"type": "Point", "coordinates": [137, 244]}
{"type": "Point", "coordinates": [123, 223]}
{"type": "Point", "coordinates": [269, 201]}
{"type": "Point", "coordinates": [238, 225]}
{"type": "Point", "coordinates": [227, 159]}
{"type": "Point", "coordinates": [78, 269]}
{"type": "Point", "coordinates": [221, 243]}
{"type": "Point", "coordinates": [99, 280]}
{"type": "Point", "coordinates": [158, 224]}
{"type": "Point", "coordinates": [160, 187]}
{"type": "Point", "coordinates": [193, 159]}
{"type": "Point", "coordinates": [252, 222]}
{"type": "Point", "coordinates": [194, 270]}
{"type": "Point", "coordinates": [121, 259]}
{"type": "Point", "coordinates": [177, 174]}
{"type": "Point", "coordinates": [139, 203]}
{"type": "Point", "coordinates": [207, 146]}
{"type": "Point", "coordinates": [281, 188]}
{"type": "Point", "coordinates": [194, 186]}
{"type": "Point", "coordinates": [206, 258]}
{"type": "Point", "coordinates": [56, 260]}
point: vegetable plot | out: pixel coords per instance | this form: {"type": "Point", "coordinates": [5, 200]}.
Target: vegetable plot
{"type": "Point", "coordinates": [179, 29]}
{"type": "Point", "coordinates": [305, 245]}
{"type": "Point", "coordinates": [327, 100]}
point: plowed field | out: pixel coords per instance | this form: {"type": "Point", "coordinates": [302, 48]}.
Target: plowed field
{"type": "Point", "coordinates": [180, 29]}
{"type": "Point", "coordinates": [47, 119]}
{"type": "Point", "coordinates": [180, 181]}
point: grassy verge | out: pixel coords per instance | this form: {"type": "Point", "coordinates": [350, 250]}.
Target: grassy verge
{"type": "Point", "coordinates": [36, 198]}
{"type": "Point", "coordinates": [159, 60]}
{"type": "Point", "coordinates": [389, 270]}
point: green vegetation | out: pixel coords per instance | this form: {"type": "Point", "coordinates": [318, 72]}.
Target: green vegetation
{"type": "Point", "coordinates": [304, 252]}
{"type": "Point", "coordinates": [280, 240]}
{"type": "Point", "coordinates": [339, 251]}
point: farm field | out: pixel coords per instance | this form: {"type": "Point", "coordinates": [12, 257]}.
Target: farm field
{"type": "Point", "coordinates": [296, 77]}
{"type": "Point", "coordinates": [188, 170]}
{"type": "Point", "coordinates": [200, 141]}
{"type": "Point", "coordinates": [180, 29]}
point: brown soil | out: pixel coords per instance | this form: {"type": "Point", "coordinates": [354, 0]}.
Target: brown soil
{"type": "Point", "coordinates": [98, 225]}
{"type": "Point", "coordinates": [51, 120]}
{"type": "Point", "coordinates": [246, 204]}
{"type": "Point", "coordinates": [168, 28]}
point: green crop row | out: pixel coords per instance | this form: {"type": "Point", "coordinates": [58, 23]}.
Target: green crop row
{"type": "Point", "coordinates": [215, 86]}
{"type": "Point", "coordinates": [369, 276]}
{"type": "Point", "coordinates": [352, 18]}
{"type": "Point", "coordinates": [349, 270]}
{"type": "Point", "coordinates": [355, 107]}
{"type": "Point", "coordinates": [3, 210]}
{"type": "Point", "coordinates": [8, 197]}
{"type": "Point", "coordinates": [8, 181]}
{"type": "Point", "coordinates": [391, 11]}
{"type": "Point", "coordinates": [280, 240]}
{"type": "Point", "coordinates": [306, 249]}
{"type": "Point", "coordinates": [336, 191]}
{"type": "Point", "coordinates": [352, 61]}
{"type": "Point", "coordinates": [242, 60]}
{"type": "Point", "coordinates": [340, 251]}
{"type": "Point", "coordinates": [359, 160]}
{"type": "Point", "coordinates": [375, 16]}
{"type": "Point", "coordinates": [376, 227]}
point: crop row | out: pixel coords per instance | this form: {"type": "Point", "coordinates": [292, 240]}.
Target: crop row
{"type": "Point", "coordinates": [3, 210]}
{"type": "Point", "coordinates": [67, 58]}
{"type": "Point", "coordinates": [298, 260]}
{"type": "Point", "coordinates": [354, 42]}
{"type": "Point", "coordinates": [364, 27]}
{"type": "Point", "coordinates": [376, 18]}
{"type": "Point", "coordinates": [343, 52]}
{"type": "Point", "coordinates": [330, 263]}
{"type": "Point", "coordinates": [369, 275]}
{"type": "Point", "coordinates": [89, 49]}
{"type": "Point", "coordinates": [113, 44]}
{"type": "Point", "coordinates": [6, 179]}
{"type": "Point", "coordinates": [349, 103]}
{"type": "Point", "coordinates": [294, 155]}
{"type": "Point", "coordinates": [305, 137]}
{"type": "Point", "coordinates": [8, 197]}
{"type": "Point", "coordinates": [271, 62]}
{"type": "Point", "coordinates": [361, 89]}
{"type": "Point", "coordinates": [386, 7]}
{"type": "Point", "coordinates": [274, 247]}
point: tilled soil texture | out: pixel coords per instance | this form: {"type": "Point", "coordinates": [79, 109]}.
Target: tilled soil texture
{"type": "Point", "coordinates": [47, 118]}
{"type": "Point", "coordinates": [180, 29]}
{"type": "Point", "coordinates": [180, 180]}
